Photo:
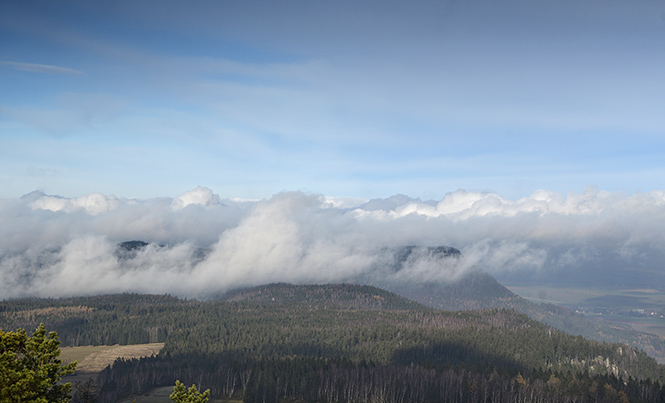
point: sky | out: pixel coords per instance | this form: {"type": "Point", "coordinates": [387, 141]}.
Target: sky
{"type": "Point", "coordinates": [252, 142]}
{"type": "Point", "coordinates": [346, 99]}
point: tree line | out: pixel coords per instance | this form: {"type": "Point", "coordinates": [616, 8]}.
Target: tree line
{"type": "Point", "coordinates": [337, 349]}
{"type": "Point", "coordinates": [311, 379]}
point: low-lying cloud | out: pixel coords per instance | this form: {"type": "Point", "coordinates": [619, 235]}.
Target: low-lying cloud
{"type": "Point", "coordinates": [200, 243]}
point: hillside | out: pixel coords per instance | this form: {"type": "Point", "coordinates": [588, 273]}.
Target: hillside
{"type": "Point", "coordinates": [349, 343]}
{"type": "Point", "coordinates": [479, 290]}
{"type": "Point", "coordinates": [476, 290]}
{"type": "Point", "coordinates": [342, 295]}
{"type": "Point", "coordinates": [289, 347]}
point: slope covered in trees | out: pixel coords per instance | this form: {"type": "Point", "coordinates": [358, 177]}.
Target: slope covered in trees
{"type": "Point", "coordinates": [311, 344]}
{"type": "Point", "coordinates": [341, 295]}
{"type": "Point", "coordinates": [479, 290]}
{"type": "Point", "coordinates": [476, 290]}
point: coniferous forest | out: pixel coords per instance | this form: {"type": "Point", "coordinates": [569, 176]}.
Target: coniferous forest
{"type": "Point", "coordinates": [341, 343]}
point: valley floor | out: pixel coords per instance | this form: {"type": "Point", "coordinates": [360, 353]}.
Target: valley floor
{"type": "Point", "coordinates": [641, 309]}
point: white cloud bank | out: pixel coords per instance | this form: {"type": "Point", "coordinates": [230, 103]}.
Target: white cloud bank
{"type": "Point", "coordinates": [201, 196]}
{"type": "Point", "coordinates": [93, 204]}
{"type": "Point", "coordinates": [200, 243]}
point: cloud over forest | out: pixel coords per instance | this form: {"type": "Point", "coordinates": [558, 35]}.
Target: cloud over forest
{"type": "Point", "coordinates": [200, 243]}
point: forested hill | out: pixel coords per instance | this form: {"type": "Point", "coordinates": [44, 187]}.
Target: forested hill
{"type": "Point", "coordinates": [479, 290]}
{"type": "Point", "coordinates": [343, 295]}
{"type": "Point", "coordinates": [315, 351]}
{"type": "Point", "coordinates": [476, 290]}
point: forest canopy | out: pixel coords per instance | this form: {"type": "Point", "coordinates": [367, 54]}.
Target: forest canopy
{"type": "Point", "coordinates": [335, 343]}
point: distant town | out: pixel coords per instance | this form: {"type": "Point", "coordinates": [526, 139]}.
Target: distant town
{"type": "Point", "coordinates": [641, 313]}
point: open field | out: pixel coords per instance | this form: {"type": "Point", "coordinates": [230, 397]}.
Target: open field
{"type": "Point", "coordinates": [96, 358]}
{"type": "Point", "coordinates": [594, 297]}
{"type": "Point", "coordinates": [557, 295]}
{"type": "Point", "coordinates": [93, 359]}
{"type": "Point", "coordinates": [615, 305]}
{"type": "Point", "coordinates": [649, 325]}
{"type": "Point", "coordinates": [69, 354]}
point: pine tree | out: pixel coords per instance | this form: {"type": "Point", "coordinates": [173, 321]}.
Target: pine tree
{"type": "Point", "coordinates": [192, 395]}
{"type": "Point", "coordinates": [86, 392]}
{"type": "Point", "coordinates": [30, 369]}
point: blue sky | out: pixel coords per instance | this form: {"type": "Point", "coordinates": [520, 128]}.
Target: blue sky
{"type": "Point", "coordinates": [147, 99]}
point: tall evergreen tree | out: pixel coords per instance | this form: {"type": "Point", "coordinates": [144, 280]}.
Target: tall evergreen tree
{"type": "Point", "coordinates": [30, 369]}
{"type": "Point", "coordinates": [191, 395]}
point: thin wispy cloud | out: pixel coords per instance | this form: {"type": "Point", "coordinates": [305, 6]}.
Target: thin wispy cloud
{"type": "Point", "coordinates": [39, 68]}
{"type": "Point", "coordinates": [345, 99]}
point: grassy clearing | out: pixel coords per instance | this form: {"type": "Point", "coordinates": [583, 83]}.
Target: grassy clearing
{"type": "Point", "coordinates": [92, 359]}
{"type": "Point", "coordinates": [69, 354]}
{"type": "Point", "coordinates": [95, 358]}
{"type": "Point", "coordinates": [594, 297]}
{"type": "Point", "coordinates": [556, 295]}
{"type": "Point", "coordinates": [649, 325]}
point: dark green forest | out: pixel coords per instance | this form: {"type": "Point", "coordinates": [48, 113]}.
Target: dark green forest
{"type": "Point", "coordinates": [341, 343]}
{"type": "Point", "coordinates": [479, 290]}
